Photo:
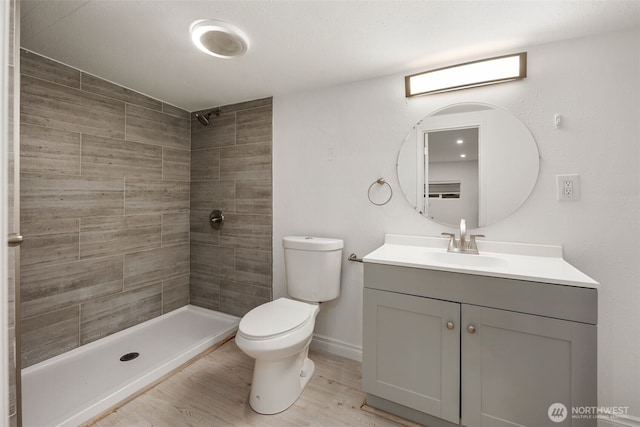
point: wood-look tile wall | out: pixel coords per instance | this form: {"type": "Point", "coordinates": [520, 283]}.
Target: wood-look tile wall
{"type": "Point", "coordinates": [231, 269]}
{"type": "Point", "coordinates": [105, 176]}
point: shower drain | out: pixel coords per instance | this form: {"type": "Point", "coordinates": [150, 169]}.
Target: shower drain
{"type": "Point", "coordinates": [129, 356]}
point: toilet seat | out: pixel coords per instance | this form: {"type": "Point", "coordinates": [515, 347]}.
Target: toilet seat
{"type": "Point", "coordinates": [275, 319]}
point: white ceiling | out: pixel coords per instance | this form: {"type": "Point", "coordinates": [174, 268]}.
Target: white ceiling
{"type": "Point", "coordinates": [295, 45]}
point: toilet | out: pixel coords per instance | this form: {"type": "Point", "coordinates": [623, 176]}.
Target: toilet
{"type": "Point", "coordinates": [277, 334]}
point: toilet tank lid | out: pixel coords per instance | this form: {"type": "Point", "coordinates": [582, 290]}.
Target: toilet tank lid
{"type": "Point", "coordinates": [308, 243]}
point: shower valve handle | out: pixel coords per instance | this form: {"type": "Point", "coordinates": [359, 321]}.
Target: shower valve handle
{"type": "Point", "coordinates": [216, 219]}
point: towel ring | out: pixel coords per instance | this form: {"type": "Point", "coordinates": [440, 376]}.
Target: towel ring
{"type": "Point", "coordinates": [380, 181]}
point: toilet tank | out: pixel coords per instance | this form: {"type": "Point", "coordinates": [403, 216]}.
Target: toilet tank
{"type": "Point", "coordinates": [313, 266]}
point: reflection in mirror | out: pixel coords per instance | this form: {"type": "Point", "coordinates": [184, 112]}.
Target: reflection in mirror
{"type": "Point", "coordinates": [451, 163]}
{"type": "Point", "coordinates": [471, 161]}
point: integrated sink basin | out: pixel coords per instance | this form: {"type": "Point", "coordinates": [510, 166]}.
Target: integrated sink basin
{"type": "Point", "coordinates": [466, 260]}
{"type": "Point", "coordinates": [521, 261]}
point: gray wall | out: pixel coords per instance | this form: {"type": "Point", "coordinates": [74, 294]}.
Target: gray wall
{"type": "Point", "coordinates": [104, 208]}
{"type": "Point", "coordinates": [231, 269]}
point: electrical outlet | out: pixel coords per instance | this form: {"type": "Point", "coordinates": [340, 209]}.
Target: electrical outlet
{"type": "Point", "coordinates": [568, 187]}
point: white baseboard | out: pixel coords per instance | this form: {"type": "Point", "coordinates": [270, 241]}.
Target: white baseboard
{"type": "Point", "coordinates": [336, 347]}
{"type": "Point", "coordinates": [623, 421]}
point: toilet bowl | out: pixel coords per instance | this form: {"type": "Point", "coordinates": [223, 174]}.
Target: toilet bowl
{"type": "Point", "coordinates": [277, 334]}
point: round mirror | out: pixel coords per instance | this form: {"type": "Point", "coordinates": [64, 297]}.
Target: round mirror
{"type": "Point", "coordinates": [471, 161]}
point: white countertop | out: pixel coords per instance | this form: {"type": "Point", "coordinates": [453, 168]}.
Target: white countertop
{"type": "Point", "coordinates": [521, 261]}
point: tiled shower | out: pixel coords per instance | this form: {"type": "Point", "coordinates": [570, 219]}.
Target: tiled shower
{"type": "Point", "coordinates": [116, 190]}
{"type": "Point", "coordinates": [231, 171]}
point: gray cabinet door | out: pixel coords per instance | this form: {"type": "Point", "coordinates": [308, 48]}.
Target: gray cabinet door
{"type": "Point", "coordinates": [514, 366]}
{"type": "Point", "coordinates": [409, 354]}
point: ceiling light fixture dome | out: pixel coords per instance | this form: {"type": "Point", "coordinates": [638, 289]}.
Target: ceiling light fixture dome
{"type": "Point", "coordinates": [218, 38]}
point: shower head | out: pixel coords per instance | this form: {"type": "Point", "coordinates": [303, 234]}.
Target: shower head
{"type": "Point", "coordinates": [204, 118]}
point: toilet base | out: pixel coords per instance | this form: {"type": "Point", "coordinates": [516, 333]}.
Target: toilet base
{"type": "Point", "coordinates": [277, 384]}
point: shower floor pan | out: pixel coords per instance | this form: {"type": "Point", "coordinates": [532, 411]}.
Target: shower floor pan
{"type": "Point", "coordinates": [76, 386]}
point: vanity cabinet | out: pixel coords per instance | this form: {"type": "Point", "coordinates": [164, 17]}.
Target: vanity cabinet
{"type": "Point", "coordinates": [445, 349]}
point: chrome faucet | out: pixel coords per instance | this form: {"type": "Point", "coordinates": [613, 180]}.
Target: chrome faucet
{"type": "Point", "coordinates": [462, 245]}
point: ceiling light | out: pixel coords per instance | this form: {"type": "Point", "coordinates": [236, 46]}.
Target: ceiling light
{"type": "Point", "coordinates": [470, 74]}
{"type": "Point", "coordinates": [218, 38]}
{"type": "Point", "coordinates": [463, 155]}
{"type": "Point", "coordinates": [459, 141]}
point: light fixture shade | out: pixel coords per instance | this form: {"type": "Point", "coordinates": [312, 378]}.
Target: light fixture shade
{"type": "Point", "coordinates": [470, 74]}
{"type": "Point", "coordinates": [219, 39]}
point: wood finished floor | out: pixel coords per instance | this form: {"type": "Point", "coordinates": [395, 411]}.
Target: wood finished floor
{"type": "Point", "coordinates": [214, 391]}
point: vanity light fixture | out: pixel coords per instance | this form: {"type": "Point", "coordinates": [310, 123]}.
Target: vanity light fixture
{"type": "Point", "coordinates": [463, 155]}
{"type": "Point", "coordinates": [459, 141]}
{"type": "Point", "coordinates": [218, 38]}
{"type": "Point", "coordinates": [470, 74]}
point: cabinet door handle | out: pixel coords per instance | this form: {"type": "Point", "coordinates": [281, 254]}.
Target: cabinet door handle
{"type": "Point", "coordinates": [450, 325]}
{"type": "Point", "coordinates": [471, 329]}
